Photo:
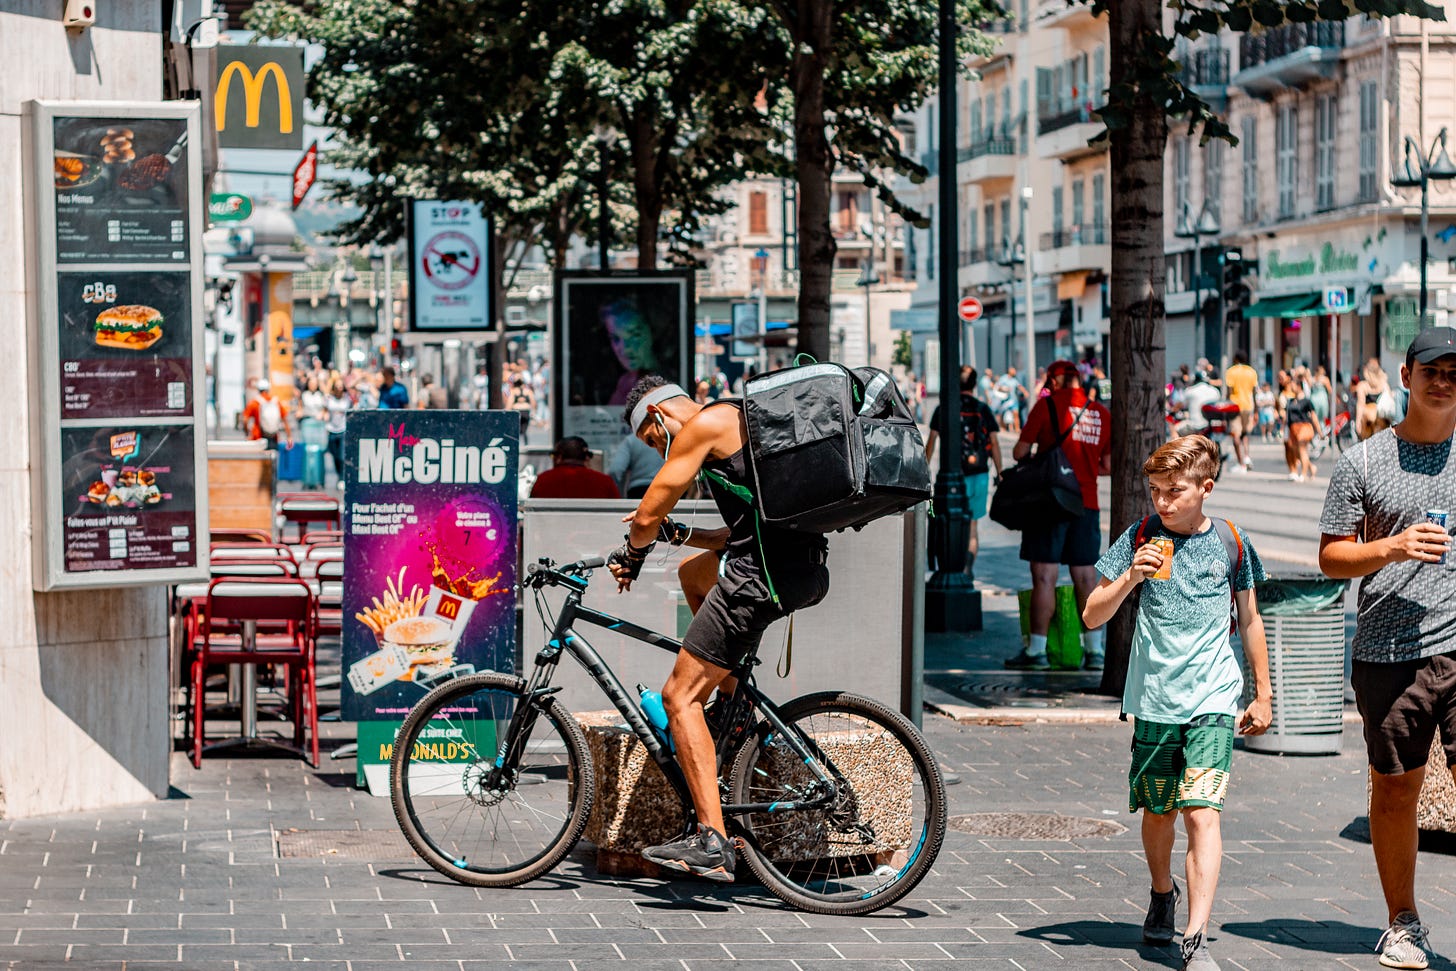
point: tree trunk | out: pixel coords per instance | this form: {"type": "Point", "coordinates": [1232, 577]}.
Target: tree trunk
{"type": "Point", "coordinates": [1137, 287]}
{"type": "Point", "coordinates": [647, 182]}
{"type": "Point", "coordinates": [814, 169]}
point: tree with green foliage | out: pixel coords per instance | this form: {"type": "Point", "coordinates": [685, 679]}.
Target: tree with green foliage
{"type": "Point", "coordinates": [1145, 91]}
{"type": "Point", "coordinates": [904, 355]}
{"type": "Point", "coordinates": [854, 68]}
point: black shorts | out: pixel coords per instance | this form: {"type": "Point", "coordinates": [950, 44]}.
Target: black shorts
{"type": "Point", "coordinates": [1075, 543]}
{"type": "Point", "coordinates": [1403, 705]}
{"type": "Point", "coordinates": [729, 625]}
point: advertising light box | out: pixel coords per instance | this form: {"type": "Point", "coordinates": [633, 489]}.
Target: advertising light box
{"type": "Point", "coordinates": [118, 427]}
{"type": "Point", "coordinates": [451, 266]}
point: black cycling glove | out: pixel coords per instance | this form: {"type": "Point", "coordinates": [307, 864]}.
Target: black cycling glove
{"type": "Point", "coordinates": [672, 532]}
{"type": "Point", "coordinates": [630, 558]}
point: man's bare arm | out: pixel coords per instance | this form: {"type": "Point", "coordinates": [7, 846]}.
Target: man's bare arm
{"type": "Point", "coordinates": [1347, 557]}
{"type": "Point", "coordinates": [690, 449]}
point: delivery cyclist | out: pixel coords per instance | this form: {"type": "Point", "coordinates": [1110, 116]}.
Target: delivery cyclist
{"type": "Point", "coordinates": [738, 599]}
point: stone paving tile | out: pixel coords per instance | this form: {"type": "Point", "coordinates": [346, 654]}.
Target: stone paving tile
{"type": "Point", "coordinates": [1298, 891]}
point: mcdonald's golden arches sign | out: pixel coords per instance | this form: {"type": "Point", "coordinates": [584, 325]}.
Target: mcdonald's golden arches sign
{"type": "Point", "coordinates": [258, 99]}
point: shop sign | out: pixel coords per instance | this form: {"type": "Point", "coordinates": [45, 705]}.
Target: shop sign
{"type": "Point", "coordinates": [258, 99]}
{"type": "Point", "coordinates": [1402, 321]}
{"type": "Point", "coordinates": [1330, 260]}
{"type": "Point", "coordinates": [121, 442]}
{"type": "Point", "coordinates": [429, 570]}
{"type": "Point", "coordinates": [229, 207]}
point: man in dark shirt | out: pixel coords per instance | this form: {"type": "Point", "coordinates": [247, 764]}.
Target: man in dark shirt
{"type": "Point", "coordinates": [569, 476]}
{"type": "Point", "coordinates": [980, 449]}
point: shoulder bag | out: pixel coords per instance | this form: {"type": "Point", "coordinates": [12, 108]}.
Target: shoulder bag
{"type": "Point", "coordinates": [1042, 488]}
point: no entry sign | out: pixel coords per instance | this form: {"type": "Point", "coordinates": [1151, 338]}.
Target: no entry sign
{"type": "Point", "coordinates": [970, 309]}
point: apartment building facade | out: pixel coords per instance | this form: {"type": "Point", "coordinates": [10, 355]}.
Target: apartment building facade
{"type": "Point", "coordinates": [751, 256]}
{"type": "Point", "coordinates": [1305, 197]}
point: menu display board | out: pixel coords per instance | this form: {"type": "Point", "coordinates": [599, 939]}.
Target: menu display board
{"type": "Point", "coordinates": [119, 435]}
{"type": "Point", "coordinates": [125, 344]}
{"type": "Point", "coordinates": [130, 495]}
{"type": "Point", "coordinates": [430, 561]}
{"type": "Point", "coordinates": [121, 189]}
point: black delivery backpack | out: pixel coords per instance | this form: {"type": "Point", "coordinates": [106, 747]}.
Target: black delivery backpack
{"type": "Point", "coordinates": [832, 448]}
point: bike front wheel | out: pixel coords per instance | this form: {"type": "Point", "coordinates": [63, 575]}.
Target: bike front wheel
{"type": "Point", "coordinates": [477, 822]}
{"type": "Point", "coordinates": [880, 835]}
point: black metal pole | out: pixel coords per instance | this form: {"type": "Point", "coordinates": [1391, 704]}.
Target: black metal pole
{"type": "Point", "coordinates": [950, 598]}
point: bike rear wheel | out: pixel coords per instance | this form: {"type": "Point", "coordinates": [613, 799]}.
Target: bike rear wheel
{"type": "Point", "coordinates": [478, 830]}
{"type": "Point", "coordinates": [880, 836]}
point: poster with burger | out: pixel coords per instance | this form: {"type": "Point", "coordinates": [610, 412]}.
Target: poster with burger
{"type": "Point", "coordinates": [429, 559]}
{"type": "Point", "coordinates": [128, 493]}
{"type": "Point", "coordinates": [125, 344]}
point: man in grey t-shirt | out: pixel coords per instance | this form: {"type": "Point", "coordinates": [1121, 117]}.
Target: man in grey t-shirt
{"type": "Point", "coordinates": [1374, 526]}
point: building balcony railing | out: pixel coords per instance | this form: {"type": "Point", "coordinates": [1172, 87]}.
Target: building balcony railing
{"type": "Point", "coordinates": [1089, 234]}
{"type": "Point", "coordinates": [1005, 144]}
{"type": "Point", "coordinates": [1289, 56]}
{"type": "Point", "coordinates": [981, 254]}
{"type": "Point", "coordinates": [1271, 45]}
{"type": "Point", "coordinates": [1005, 25]}
{"type": "Point", "coordinates": [1207, 68]}
{"type": "Point", "coordinates": [1055, 115]}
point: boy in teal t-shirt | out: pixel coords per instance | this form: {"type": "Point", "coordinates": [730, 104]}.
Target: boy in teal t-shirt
{"type": "Point", "coordinates": [1184, 683]}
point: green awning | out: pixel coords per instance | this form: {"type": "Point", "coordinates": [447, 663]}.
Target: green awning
{"type": "Point", "coordinates": [1292, 305]}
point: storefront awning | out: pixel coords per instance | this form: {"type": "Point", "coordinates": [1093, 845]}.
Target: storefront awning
{"type": "Point", "coordinates": [1291, 305]}
{"type": "Point", "coordinates": [1072, 285]}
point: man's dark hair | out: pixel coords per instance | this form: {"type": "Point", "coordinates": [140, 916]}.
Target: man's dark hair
{"type": "Point", "coordinates": [639, 390]}
{"type": "Point", "coordinates": [968, 379]}
{"type": "Point", "coordinates": [1240, 357]}
{"type": "Point", "coordinates": [387, 373]}
{"type": "Point", "coordinates": [572, 449]}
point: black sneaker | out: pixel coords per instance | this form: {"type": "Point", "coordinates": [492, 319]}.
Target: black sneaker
{"type": "Point", "coordinates": [706, 853]}
{"type": "Point", "coordinates": [1162, 913]}
{"type": "Point", "coordinates": [1028, 662]}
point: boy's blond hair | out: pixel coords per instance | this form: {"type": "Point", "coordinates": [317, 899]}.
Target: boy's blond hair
{"type": "Point", "coordinates": [1192, 456]}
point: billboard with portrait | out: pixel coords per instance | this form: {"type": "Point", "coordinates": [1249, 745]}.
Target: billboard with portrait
{"type": "Point", "coordinates": [610, 331]}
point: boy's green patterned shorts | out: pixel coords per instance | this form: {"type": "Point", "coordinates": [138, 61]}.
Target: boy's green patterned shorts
{"type": "Point", "coordinates": [1176, 766]}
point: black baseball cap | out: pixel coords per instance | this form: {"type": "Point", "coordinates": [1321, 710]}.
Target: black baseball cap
{"type": "Point", "coordinates": [1430, 344]}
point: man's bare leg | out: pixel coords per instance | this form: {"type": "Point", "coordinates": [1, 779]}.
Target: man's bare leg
{"type": "Point", "coordinates": [698, 574]}
{"type": "Point", "coordinates": [687, 688]}
{"type": "Point", "coordinates": [1205, 856]}
{"type": "Point", "coordinates": [1394, 837]}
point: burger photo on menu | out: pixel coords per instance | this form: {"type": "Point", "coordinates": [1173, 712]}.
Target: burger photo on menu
{"type": "Point", "coordinates": [131, 327]}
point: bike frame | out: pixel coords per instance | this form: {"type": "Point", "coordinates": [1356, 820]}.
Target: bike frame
{"type": "Point", "coordinates": [565, 640]}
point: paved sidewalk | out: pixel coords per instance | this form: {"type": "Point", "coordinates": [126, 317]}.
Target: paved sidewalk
{"type": "Point", "coordinates": [198, 882]}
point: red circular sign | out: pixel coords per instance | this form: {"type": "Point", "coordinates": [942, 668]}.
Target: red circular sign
{"type": "Point", "coordinates": [970, 309]}
{"type": "Point", "coordinates": [451, 260]}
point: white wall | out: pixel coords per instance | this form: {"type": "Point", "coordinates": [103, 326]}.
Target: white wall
{"type": "Point", "coordinates": [83, 675]}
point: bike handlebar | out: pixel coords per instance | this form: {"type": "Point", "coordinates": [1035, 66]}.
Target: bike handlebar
{"type": "Point", "coordinates": [545, 570]}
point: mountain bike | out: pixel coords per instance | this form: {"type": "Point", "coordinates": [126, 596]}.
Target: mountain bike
{"type": "Point", "coordinates": [833, 799]}
{"type": "Point", "coordinates": [1337, 430]}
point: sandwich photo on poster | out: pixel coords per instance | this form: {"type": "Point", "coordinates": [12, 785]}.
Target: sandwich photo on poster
{"type": "Point", "coordinates": [125, 344]}
{"type": "Point", "coordinates": [121, 189]}
{"type": "Point", "coordinates": [611, 331]}
{"type": "Point", "coordinates": [130, 496]}
{"type": "Point", "coordinates": [429, 553]}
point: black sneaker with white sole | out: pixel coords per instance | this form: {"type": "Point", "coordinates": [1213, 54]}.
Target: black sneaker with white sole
{"type": "Point", "coordinates": [706, 853]}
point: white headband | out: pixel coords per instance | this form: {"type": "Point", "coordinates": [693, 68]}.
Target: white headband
{"type": "Point", "coordinates": [655, 396]}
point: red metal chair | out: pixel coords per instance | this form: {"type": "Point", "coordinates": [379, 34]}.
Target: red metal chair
{"type": "Point", "coordinates": [229, 633]}
{"type": "Point", "coordinates": [316, 536]}
{"type": "Point", "coordinates": [239, 536]}
{"type": "Point", "coordinates": [251, 551]}
{"type": "Point", "coordinates": [303, 509]}
{"type": "Point", "coordinates": [221, 566]}
{"type": "Point", "coordinates": [330, 579]}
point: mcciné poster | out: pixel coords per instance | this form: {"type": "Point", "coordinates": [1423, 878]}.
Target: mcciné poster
{"type": "Point", "coordinates": [429, 559]}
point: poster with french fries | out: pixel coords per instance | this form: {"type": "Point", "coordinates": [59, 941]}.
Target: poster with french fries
{"type": "Point", "coordinates": [429, 558]}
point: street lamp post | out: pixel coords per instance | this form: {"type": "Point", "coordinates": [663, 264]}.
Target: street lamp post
{"type": "Point", "coordinates": [1030, 308]}
{"type": "Point", "coordinates": [951, 600]}
{"type": "Point", "coordinates": [1206, 225]}
{"type": "Point", "coordinates": [1431, 166]}
{"type": "Point", "coordinates": [1011, 258]}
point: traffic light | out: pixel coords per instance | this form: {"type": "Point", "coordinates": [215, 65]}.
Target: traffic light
{"type": "Point", "coordinates": [1235, 292]}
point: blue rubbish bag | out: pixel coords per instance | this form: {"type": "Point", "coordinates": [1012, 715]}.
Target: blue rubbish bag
{"type": "Point", "coordinates": [290, 461]}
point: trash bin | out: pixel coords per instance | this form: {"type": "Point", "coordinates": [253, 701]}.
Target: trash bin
{"type": "Point", "coordinates": [1064, 635]}
{"type": "Point", "coordinates": [1304, 624]}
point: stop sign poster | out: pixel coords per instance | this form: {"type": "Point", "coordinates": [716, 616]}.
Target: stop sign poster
{"type": "Point", "coordinates": [450, 266]}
